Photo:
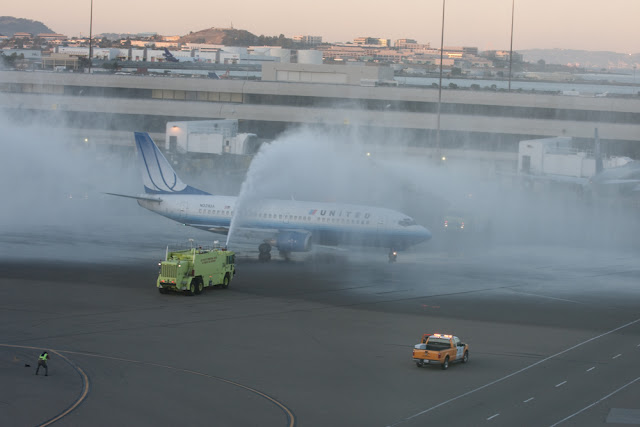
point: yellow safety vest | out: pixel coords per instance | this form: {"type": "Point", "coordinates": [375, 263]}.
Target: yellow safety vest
{"type": "Point", "coordinates": [43, 357]}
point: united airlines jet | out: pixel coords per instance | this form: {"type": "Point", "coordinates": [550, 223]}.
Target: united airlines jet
{"type": "Point", "coordinates": [288, 225]}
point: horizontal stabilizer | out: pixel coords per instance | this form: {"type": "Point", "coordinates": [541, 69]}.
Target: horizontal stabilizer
{"type": "Point", "coordinates": [147, 198]}
{"type": "Point", "coordinates": [620, 182]}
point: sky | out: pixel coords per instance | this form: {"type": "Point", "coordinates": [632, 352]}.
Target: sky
{"type": "Point", "coordinates": [609, 25]}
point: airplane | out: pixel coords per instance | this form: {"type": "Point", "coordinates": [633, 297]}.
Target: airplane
{"type": "Point", "coordinates": [288, 225]}
{"type": "Point", "coordinates": [169, 56]}
{"type": "Point", "coordinates": [619, 181]}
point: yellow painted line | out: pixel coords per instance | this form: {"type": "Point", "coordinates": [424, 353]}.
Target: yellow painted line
{"type": "Point", "coordinates": [83, 375]}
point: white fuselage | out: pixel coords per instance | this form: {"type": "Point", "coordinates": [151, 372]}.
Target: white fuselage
{"type": "Point", "coordinates": [329, 223]}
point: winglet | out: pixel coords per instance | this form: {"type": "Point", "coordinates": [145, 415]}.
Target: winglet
{"type": "Point", "coordinates": [157, 174]}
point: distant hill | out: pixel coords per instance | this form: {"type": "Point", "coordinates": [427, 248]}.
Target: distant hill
{"type": "Point", "coordinates": [233, 37]}
{"type": "Point", "coordinates": [582, 58]}
{"type": "Point", "coordinates": [10, 25]}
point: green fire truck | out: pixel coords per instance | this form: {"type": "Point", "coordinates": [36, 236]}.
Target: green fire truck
{"type": "Point", "coordinates": [193, 269]}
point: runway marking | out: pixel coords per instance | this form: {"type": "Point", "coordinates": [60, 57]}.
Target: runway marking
{"type": "Point", "coordinates": [289, 413]}
{"type": "Point", "coordinates": [591, 369]}
{"type": "Point", "coordinates": [460, 396]}
{"type": "Point", "coordinates": [562, 383]}
{"type": "Point", "coordinates": [391, 292]}
{"type": "Point", "coordinates": [492, 417]}
{"type": "Point", "coordinates": [528, 400]}
{"type": "Point", "coordinates": [616, 356]}
{"type": "Point", "coordinates": [544, 296]}
{"type": "Point", "coordinates": [83, 376]}
{"type": "Point", "coordinates": [595, 403]}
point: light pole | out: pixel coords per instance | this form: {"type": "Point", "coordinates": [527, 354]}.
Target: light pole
{"type": "Point", "coordinates": [511, 46]}
{"type": "Point", "coordinates": [90, 35]}
{"type": "Point", "coordinates": [439, 157]}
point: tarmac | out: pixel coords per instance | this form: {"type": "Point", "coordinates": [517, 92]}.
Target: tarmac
{"type": "Point", "coordinates": [325, 339]}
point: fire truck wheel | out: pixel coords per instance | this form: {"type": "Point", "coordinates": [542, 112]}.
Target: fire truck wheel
{"type": "Point", "coordinates": [465, 358]}
{"type": "Point", "coordinates": [445, 364]}
{"type": "Point", "coordinates": [199, 285]}
{"type": "Point", "coordinates": [225, 281]}
{"type": "Point", "coordinates": [192, 288]}
{"type": "Point", "coordinates": [162, 290]}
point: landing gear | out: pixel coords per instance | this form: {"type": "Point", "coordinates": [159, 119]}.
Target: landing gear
{"type": "Point", "coordinates": [264, 254]}
{"type": "Point", "coordinates": [285, 255]}
{"type": "Point", "coordinates": [393, 255]}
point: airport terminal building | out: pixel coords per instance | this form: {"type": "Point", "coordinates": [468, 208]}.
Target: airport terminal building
{"type": "Point", "coordinates": [291, 95]}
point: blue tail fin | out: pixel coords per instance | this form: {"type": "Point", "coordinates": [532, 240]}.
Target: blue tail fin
{"type": "Point", "coordinates": [157, 174]}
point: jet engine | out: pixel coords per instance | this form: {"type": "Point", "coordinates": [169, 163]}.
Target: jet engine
{"type": "Point", "coordinates": [293, 241]}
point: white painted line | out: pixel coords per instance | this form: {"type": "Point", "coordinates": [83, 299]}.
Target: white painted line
{"type": "Point", "coordinates": [526, 368]}
{"type": "Point", "coordinates": [528, 400]}
{"type": "Point", "coordinates": [544, 296]}
{"type": "Point", "coordinates": [591, 369]}
{"type": "Point", "coordinates": [616, 356]}
{"type": "Point", "coordinates": [492, 417]}
{"type": "Point", "coordinates": [595, 403]}
{"type": "Point", "coordinates": [562, 383]}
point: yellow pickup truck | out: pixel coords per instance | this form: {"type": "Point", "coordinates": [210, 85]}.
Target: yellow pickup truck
{"type": "Point", "coordinates": [440, 349]}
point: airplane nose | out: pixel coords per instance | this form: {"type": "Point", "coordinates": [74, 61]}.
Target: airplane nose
{"type": "Point", "coordinates": [425, 234]}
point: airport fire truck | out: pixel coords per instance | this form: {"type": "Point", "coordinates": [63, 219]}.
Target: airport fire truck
{"type": "Point", "coordinates": [192, 269]}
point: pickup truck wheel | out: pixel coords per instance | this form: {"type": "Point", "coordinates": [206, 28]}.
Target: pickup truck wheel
{"type": "Point", "coordinates": [419, 364]}
{"type": "Point", "coordinates": [445, 364]}
{"type": "Point", "coordinates": [465, 358]}
{"type": "Point", "coordinates": [225, 281]}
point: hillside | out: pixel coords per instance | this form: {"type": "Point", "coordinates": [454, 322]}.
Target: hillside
{"type": "Point", "coordinates": [581, 58]}
{"type": "Point", "coordinates": [233, 37]}
{"type": "Point", "coordinates": [10, 25]}
{"type": "Point", "coordinates": [218, 36]}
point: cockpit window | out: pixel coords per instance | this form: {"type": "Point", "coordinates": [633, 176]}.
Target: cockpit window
{"type": "Point", "coordinates": [406, 222]}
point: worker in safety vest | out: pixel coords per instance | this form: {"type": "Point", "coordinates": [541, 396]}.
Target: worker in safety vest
{"type": "Point", "coordinates": [42, 361]}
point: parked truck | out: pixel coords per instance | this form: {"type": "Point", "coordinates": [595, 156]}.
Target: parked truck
{"type": "Point", "coordinates": [440, 349]}
{"type": "Point", "coordinates": [557, 162]}
{"type": "Point", "coordinates": [193, 269]}
{"type": "Point", "coordinates": [206, 137]}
